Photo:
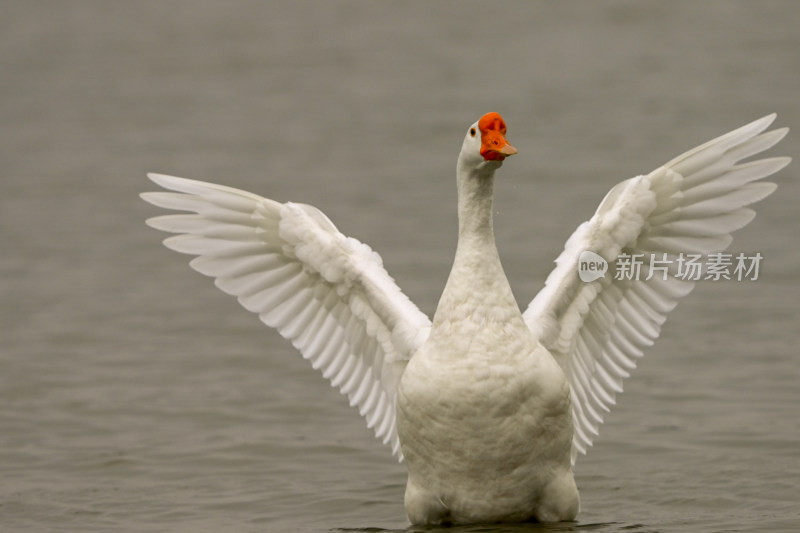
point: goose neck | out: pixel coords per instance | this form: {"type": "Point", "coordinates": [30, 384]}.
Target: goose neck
{"type": "Point", "coordinates": [475, 192]}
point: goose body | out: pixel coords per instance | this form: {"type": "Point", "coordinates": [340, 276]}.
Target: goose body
{"type": "Point", "coordinates": [489, 406]}
{"type": "Point", "coordinates": [483, 409]}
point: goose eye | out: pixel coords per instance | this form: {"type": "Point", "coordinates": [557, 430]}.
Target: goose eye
{"type": "Point", "coordinates": [472, 132]}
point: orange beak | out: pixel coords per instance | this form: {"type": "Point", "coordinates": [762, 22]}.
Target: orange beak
{"type": "Point", "coordinates": [494, 145]}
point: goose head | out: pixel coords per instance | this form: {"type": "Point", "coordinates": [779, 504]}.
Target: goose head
{"type": "Point", "coordinates": [485, 145]}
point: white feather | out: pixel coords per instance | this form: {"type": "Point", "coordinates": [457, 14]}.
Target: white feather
{"type": "Point", "coordinates": [597, 330]}
{"type": "Point", "coordinates": [327, 293]}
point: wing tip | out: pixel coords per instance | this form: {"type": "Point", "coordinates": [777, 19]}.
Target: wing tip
{"type": "Point", "coordinates": [161, 179]}
{"type": "Point", "coordinates": [762, 123]}
{"type": "Point", "coordinates": [184, 185]}
{"type": "Point", "coordinates": [781, 162]}
{"type": "Point", "coordinates": [152, 197]}
{"type": "Point", "coordinates": [153, 222]}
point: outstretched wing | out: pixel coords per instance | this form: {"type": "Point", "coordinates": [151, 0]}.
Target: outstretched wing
{"type": "Point", "coordinates": [327, 293]}
{"type": "Point", "coordinates": [597, 329]}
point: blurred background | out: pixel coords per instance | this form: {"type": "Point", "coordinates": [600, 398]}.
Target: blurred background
{"type": "Point", "coordinates": [135, 396]}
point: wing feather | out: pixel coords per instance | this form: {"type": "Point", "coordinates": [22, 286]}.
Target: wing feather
{"type": "Point", "coordinates": [597, 330]}
{"type": "Point", "coordinates": [327, 293]}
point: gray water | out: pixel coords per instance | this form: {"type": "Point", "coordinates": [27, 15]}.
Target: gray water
{"type": "Point", "coordinates": [134, 396]}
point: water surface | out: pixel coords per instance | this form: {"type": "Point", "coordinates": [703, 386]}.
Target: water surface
{"type": "Point", "coordinates": [134, 396]}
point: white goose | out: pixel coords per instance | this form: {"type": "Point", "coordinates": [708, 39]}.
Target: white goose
{"type": "Point", "coordinates": [489, 406]}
